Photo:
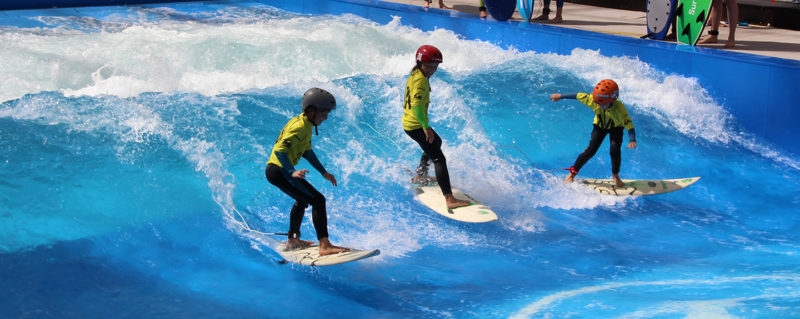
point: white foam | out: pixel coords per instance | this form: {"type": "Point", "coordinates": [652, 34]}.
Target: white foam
{"type": "Point", "coordinates": [243, 51]}
{"type": "Point", "coordinates": [663, 96]}
{"type": "Point", "coordinates": [694, 309]}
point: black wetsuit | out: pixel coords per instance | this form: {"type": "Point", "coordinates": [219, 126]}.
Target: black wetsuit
{"type": "Point", "coordinates": [432, 151]}
{"type": "Point", "coordinates": [304, 194]}
{"type": "Point", "coordinates": [598, 135]}
{"type": "Point", "coordinates": [609, 121]}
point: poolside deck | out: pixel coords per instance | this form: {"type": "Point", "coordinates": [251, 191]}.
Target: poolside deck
{"type": "Point", "coordinates": [751, 39]}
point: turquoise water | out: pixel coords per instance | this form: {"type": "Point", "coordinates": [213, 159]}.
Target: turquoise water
{"type": "Point", "coordinates": [133, 149]}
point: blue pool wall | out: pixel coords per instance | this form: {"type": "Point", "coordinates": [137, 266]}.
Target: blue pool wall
{"type": "Point", "coordinates": [757, 90]}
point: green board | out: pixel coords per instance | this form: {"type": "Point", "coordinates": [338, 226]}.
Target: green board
{"type": "Point", "coordinates": [691, 17]}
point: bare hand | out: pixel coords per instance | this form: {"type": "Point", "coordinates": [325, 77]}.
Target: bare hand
{"type": "Point", "coordinates": [632, 145]}
{"type": "Point", "coordinates": [330, 178]}
{"type": "Point", "coordinates": [555, 97]}
{"type": "Point", "coordinates": [301, 174]}
{"type": "Point", "coordinates": [429, 135]}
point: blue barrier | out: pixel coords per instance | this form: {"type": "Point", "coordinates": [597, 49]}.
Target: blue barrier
{"type": "Point", "coordinates": [756, 90]}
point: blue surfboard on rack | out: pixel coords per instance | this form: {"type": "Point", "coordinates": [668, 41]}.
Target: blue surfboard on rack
{"type": "Point", "coordinates": [659, 17]}
{"type": "Point", "coordinates": [501, 10]}
{"type": "Point", "coordinates": [525, 9]}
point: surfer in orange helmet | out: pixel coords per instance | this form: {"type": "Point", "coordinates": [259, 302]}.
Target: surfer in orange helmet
{"type": "Point", "coordinates": [611, 117]}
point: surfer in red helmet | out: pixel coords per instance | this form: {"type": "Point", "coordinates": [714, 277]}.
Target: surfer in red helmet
{"type": "Point", "coordinates": [415, 122]}
{"type": "Point", "coordinates": [610, 118]}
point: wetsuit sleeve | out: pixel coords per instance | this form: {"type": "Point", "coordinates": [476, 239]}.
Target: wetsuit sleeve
{"type": "Point", "coordinates": [626, 119]}
{"type": "Point", "coordinates": [569, 96]}
{"type": "Point", "coordinates": [311, 157]}
{"type": "Point", "coordinates": [422, 118]}
{"type": "Point", "coordinates": [627, 122]}
{"type": "Point", "coordinates": [285, 163]}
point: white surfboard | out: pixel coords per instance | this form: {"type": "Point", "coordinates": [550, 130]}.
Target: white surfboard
{"type": "Point", "coordinates": [431, 196]}
{"type": "Point", "coordinates": [638, 187]}
{"type": "Point", "coordinates": [309, 255]}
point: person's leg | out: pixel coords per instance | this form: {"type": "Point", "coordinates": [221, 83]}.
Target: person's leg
{"type": "Point", "coordinates": [434, 151]}
{"type": "Point", "coordinates": [598, 135]}
{"type": "Point", "coordinates": [733, 21]}
{"type": "Point", "coordinates": [304, 193]}
{"type": "Point", "coordinates": [559, 9]}
{"type": "Point", "coordinates": [302, 197]}
{"type": "Point", "coordinates": [545, 11]}
{"type": "Point", "coordinates": [482, 9]}
{"type": "Point", "coordinates": [421, 176]}
{"type": "Point", "coordinates": [320, 218]}
{"type": "Point", "coordinates": [441, 5]}
{"type": "Point", "coordinates": [616, 154]}
{"type": "Point", "coordinates": [716, 15]}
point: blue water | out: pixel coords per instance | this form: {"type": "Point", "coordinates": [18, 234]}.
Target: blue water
{"type": "Point", "coordinates": [133, 149]}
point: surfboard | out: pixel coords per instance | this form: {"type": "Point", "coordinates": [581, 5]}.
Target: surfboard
{"type": "Point", "coordinates": [638, 187]}
{"type": "Point", "coordinates": [431, 195]}
{"type": "Point", "coordinates": [691, 17]}
{"type": "Point", "coordinates": [501, 10]}
{"type": "Point", "coordinates": [309, 255]}
{"type": "Point", "coordinates": [525, 9]}
{"type": "Point", "coordinates": [659, 17]}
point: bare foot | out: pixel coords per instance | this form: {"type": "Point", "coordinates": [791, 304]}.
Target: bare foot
{"type": "Point", "coordinates": [453, 202]}
{"type": "Point", "coordinates": [618, 182]}
{"type": "Point", "coordinates": [326, 248]}
{"type": "Point", "coordinates": [730, 44]}
{"type": "Point", "coordinates": [427, 4]}
{"type": "Point", "coordinates": [556, 20]}
{"type": "Point", "coordinates": [442, 6]}
{"type": "Point", "coordinates": [484, 14]}
{"type": "Point", "coordinates": [544, 16]}
{"type": "Point", "coordinates": [295, 243]}
{"type": "Point", "coordinates": [570, 178]}
{"type": "Point", "coordinates": [710, 39]}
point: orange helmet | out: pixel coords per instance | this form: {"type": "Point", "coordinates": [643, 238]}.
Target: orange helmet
{"type": "Point", "coordinates": [605, 92]}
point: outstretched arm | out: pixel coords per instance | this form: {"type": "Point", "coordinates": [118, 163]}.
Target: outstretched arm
{"type": "Point", "coordinates": [558, 96]}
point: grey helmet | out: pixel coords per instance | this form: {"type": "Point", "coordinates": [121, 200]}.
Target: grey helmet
{"type": "Point", "coordinates": [319, 99]}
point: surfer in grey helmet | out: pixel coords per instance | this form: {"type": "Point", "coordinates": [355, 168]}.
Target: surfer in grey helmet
{"type": "Point", "coordinates": [294, 142]}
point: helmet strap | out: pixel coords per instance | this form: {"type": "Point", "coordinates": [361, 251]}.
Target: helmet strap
{"type": "Point", "coordinates": [314, 121]}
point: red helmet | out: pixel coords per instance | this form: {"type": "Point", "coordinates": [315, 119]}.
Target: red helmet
{"type": "Point", "coordinates": [605, 92]}
{"type": "Point", "coordinates": [429, 54]}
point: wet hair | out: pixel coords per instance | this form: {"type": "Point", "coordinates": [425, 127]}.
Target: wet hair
{"type": "Point", "coordinates": [416, 67]}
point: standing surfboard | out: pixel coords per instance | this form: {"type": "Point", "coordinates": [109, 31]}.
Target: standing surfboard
{"type": "Point", "coordinates": [431, 195]}
{"type": "Point", "coordinates": [691, 17]}
{"type": "Point", "coordinates": [659, 17]}
{"type": "Point", "coordinates": [309, 255]}
{"type": "Point", "coordinates": [638, 187]}
{"type": "Point", "coordinates": [525, 9]}
{"type": "Point", "coordinates": [501, 10]}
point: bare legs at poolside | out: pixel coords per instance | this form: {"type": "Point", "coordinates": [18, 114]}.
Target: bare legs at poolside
{"type": "Point", "coordinates": [545, 16]}
{"type": "Point", "coordinates": [441, 4]}
{"type": "Point", "coordinates": [716, 16]}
